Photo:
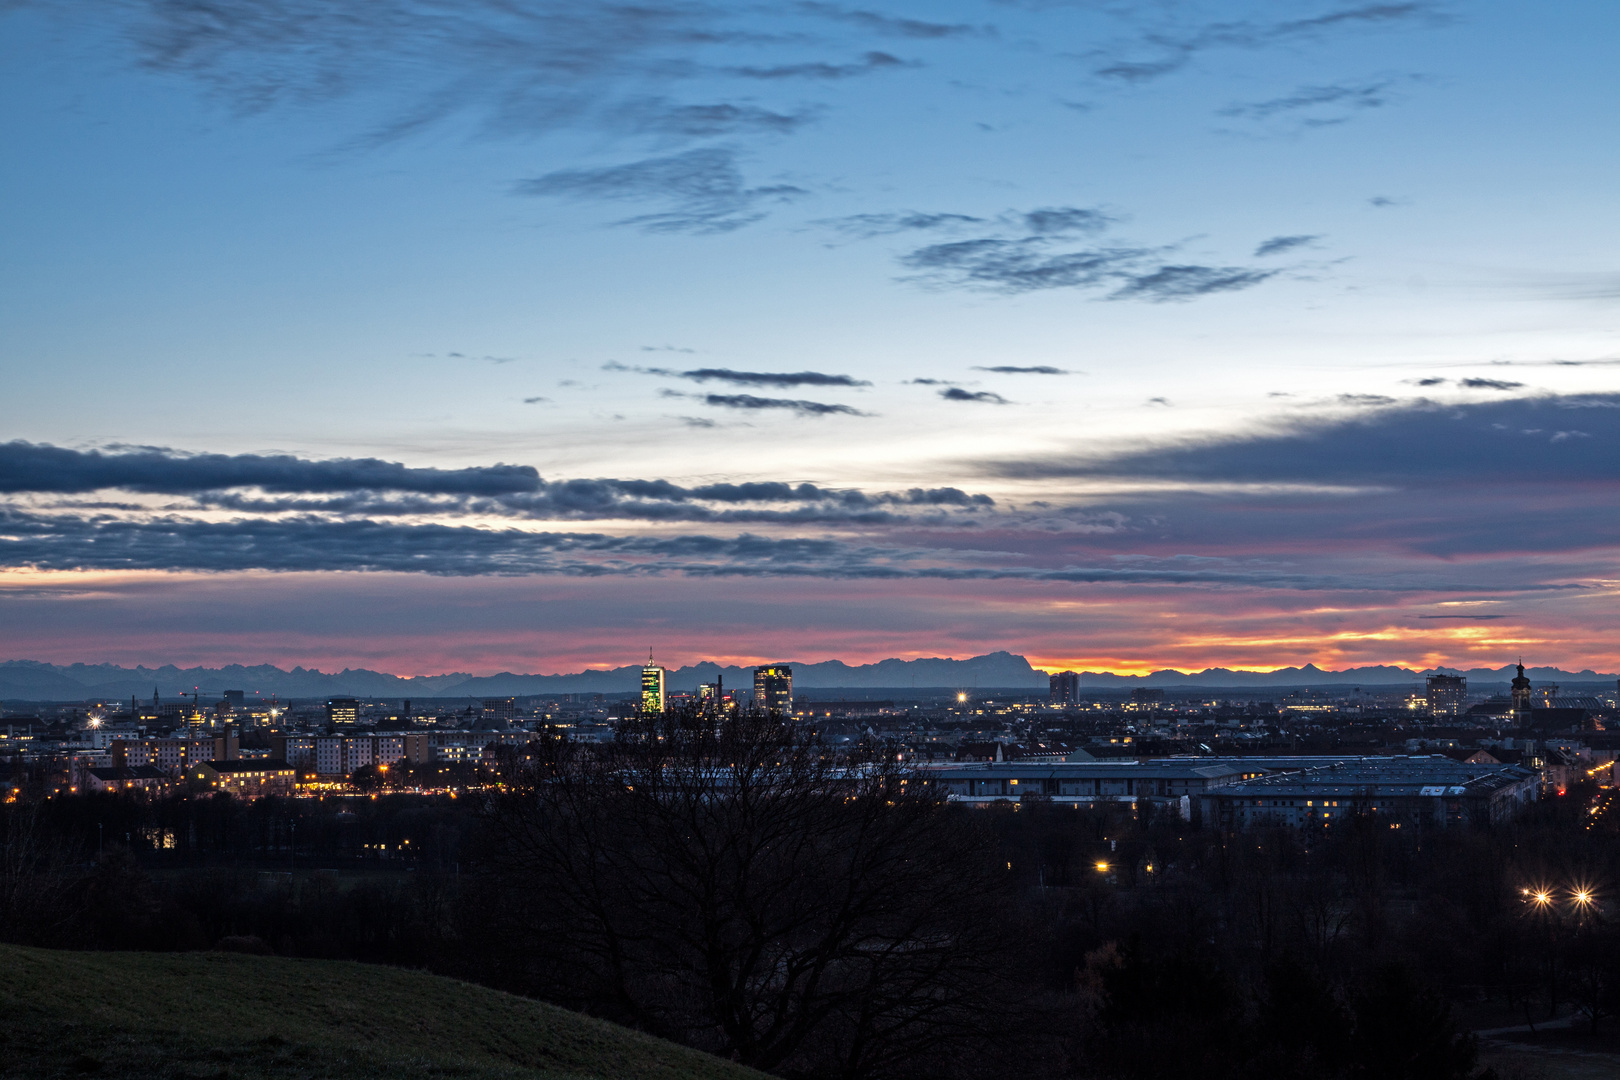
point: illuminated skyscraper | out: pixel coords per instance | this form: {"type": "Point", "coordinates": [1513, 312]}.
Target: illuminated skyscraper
{"type": "Point", "coordinates": [1065, 687]}
{"type": "Point", "coordinates": [1447, 694]}
{"type": "Point", "coordinates": [773, 688]}
{"type": "Point", "coordinates": [652, 687]}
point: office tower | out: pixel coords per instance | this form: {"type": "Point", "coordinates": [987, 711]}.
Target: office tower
{"type": "Point", "coordinates": [773, 688]}
{"type": "Point", "coordinates": [710, 697]}
{"type": "Point", "coordinates": [652, 687]}
{"type": "Point", "coordinates": [498, 712]}
{"type": "Point", "coordinates": [1447, 694]}
{"type": "Point", "coordinates": [1064, 687]}
{"type": "Point", "coordinates": [234, 699]}
{"type": "Point", "coordinates": [342, 711]}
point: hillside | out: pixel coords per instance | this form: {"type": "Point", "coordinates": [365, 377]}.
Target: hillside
{"type": "Point", "coordinates": [249, 1017]}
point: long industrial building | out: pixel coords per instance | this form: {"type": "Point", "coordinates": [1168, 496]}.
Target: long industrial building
{"type": "Point", "coordinates": [1251, 792]}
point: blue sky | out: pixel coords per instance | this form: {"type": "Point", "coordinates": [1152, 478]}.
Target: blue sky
{"type": "Point", "coordinates": [1367, 244]}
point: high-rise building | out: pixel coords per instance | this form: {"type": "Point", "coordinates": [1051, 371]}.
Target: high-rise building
{"type": "Point", "coordinates": [773, 688]}
{"type": "Point", "coordinates": [1447, 694]}
{"type": "Point", "coordinates": [652, 687]}
{"type": "Point", "coordinates": [1065, 687]}
{"type": "Point", "coordinates": [342, 711]}
{"type": "Point", "coordinates": [711, 696]}
{"type": "Point", "coordinates": [498, 712]}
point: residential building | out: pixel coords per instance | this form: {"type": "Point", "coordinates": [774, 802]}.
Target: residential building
{"type": "Point", "coordinates": [1064, 687]}
{"type": "Point", "coordinates": [498, 712]}
{"type": "Point", "coordinates": [246, 779]}
{"type": "Point", "coordinates": [1447, 694]}
{"type": "Point", "coordinates": [141, 778]}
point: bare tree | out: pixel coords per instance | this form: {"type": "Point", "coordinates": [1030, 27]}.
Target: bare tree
{"type": "Point", "coordinates": [741, 888]}
{"type": "Point", "coordinates": [39, 897]}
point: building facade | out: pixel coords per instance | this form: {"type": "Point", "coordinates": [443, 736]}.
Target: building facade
{"type": "Point", "coordinates": [652, 688]}
{"type": "Point", "coordinates": [1397, 792]}
{"type": "Point", "coordinates": [1447, 695]}
{"type": "Point", "coordinates": [773, 688]}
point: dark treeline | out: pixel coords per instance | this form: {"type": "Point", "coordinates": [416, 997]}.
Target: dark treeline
{"type": "Point", "coordinates": [745, 891]}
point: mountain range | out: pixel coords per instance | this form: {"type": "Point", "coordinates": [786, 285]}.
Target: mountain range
{"type": "Point", "coordinates": [29, 680]}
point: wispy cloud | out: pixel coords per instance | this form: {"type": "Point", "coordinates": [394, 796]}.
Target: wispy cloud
{"type": "Point", "coordinates": [1037, 369]}
{"type": "Point", "coordinates": [821, 69]}
{"type": "Point", "coordinates": [892, 25]}
{"type": "Point", "coordinates": [1035, 250]}
{"type": "Point", "coordinates": [1168, 51]}
{"type": "Point", "coordinates": [1170, 283]}
{"type": "Point", "coordinates": [704, 189]}
{"type": "Point", "coordinates": [747, 378]}
{"type": "Point", "coordinates": [803, 408]}
{"type": "Point", "coordinates": [1319, 105]}
{"type": "Point", "coordinates": [1277, 245]}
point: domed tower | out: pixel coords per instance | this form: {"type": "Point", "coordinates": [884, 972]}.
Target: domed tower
{"type": "Point", "coordinates": [1521, 698]}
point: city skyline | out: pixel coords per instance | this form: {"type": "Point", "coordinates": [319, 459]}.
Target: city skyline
{"type": "Point", "coordinates": [520, 337]}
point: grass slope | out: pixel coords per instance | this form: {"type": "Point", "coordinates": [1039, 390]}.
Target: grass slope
{"type": "Point", "coordinates": [180, 1015]}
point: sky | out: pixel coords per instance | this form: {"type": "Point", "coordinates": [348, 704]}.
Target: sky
{"type": "Point", "coordinates": [532, 335]}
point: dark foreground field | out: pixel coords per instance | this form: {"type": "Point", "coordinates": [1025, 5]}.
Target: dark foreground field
{"type": "Point", "coordinates": [223, 1015]}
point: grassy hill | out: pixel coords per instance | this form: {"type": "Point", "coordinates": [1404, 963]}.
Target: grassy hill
{"type": "Point", "coordinates": [219, 1015]}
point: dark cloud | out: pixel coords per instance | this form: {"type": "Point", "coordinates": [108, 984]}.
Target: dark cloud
{"type": "Point", "coordinates": [1175, 283]}
{"type": "Point", "coordinates": [748, 378]}
{"type": "Point", "coordinates": [985, 397]}
{"type": "Point", "coordinates": [1365, 400]}
{"type": "Point", "coordinates": [1038, 369]}
{"type": "Point", "coordinates": [1432, 380]}
{"type": "Point", "coordinates": [818, 69]}
{"type": "Point", "coordinates": [929, 382]}
{"type": "Point", "coordinates": [1172, 51]}
{"type": "Point", "coordinates": [534, 400]}
{"type": "Point", "coordinates": [803, 408]}
{"type": "Point", "coordinates": [31, 467]}
{"type": "Point", "coordinates": [1381, 201]}
{"type": "Point", "coordinates": [1489, 384]}
{"type": "Point", "coordinates": [897, 27]}
{"type": "Point", "coordinates": [309, 544]}
{"type": "Point", "coordinates": [1423, 443]}
{"type": "Point", "coordinates": [1279, 244]}
{"type": "Point", "coordinates": [704, 189]}
{"type": "Point", "coordinates": [257, 485]}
